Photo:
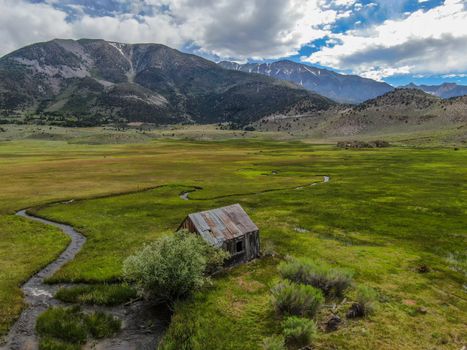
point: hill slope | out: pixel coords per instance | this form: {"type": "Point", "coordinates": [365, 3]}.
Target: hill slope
{"type": "Point", "coordinates": [95, 81]}
{"type": "Point", "coordinates": [339, 87]}
{"type": "Point", "coordinates": [398, 111]}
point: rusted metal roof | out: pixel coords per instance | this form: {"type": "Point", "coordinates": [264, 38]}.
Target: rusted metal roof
{"type": "Point", "coordinates": [222, 224]}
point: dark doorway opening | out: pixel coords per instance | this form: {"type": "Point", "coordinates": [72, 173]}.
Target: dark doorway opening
{"type": "Point", "coordinates": [239, 246]}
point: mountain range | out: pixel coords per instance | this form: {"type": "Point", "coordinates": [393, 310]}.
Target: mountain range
{"type": "Point", "coordinates": [338, 87]}
{"type": "Point", "coordinates": [89, 82]}
{"type": "Point", "coordinates": [445, 90]}
{"type": "Point", "coordinates": [92, 82]}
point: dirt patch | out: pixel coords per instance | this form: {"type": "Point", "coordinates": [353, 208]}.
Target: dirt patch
{"type": "Point", "coordinates": [362, 144]}
{"type": "Point", "coordinates": [249, 286]}
{"type": "Point", "coordinates": [410, 302]}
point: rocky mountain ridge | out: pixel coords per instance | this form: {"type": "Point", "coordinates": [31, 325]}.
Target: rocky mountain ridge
{"type": "Point", "coordinates": [338, 87]}
{"type": "Point", "coordinates": [90, 82]}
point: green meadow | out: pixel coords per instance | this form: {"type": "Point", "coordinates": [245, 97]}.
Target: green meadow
{"type": "Point", "coordinates": [383, 214]}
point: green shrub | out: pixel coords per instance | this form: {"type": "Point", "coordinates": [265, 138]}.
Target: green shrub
{"type": "Point", "coordinates": [296, 299]}
{"type": "Point", "coordinates": [65, 328]}
{"type": "Point", "coordinates": [215, 257]}
{"type": "Point", "coordinates": [364, 302]}
{"type": "Point", "coordinates": [298, 331]}
{"type": "Point", "coordinates": [275, 342]}
{"type": "Point", "coordinates": [101, 294]}
{"type": "Point", "coordinates": [173, 267]}
{"type": "Point", "coordinates": [64, 324]}
{"type": "Point", "coordinates": [337, 283]}
{"type": "Point", "coordinates": [334, 282]}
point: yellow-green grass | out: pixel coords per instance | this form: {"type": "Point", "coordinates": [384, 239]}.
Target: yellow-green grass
{"type": "Point", "coordinates": [37, 172]}
{"type": "Point", "coordinates": [97, 294]}
{"type": "Point", "coordinates": [25, 246]}
{"type": "Point", "coordinates": [383, 213]}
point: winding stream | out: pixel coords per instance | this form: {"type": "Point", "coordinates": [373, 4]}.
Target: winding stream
{"type": "Point", "coordinates": [185, 195]}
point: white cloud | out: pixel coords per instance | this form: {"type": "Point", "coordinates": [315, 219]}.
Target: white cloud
{"type": "Point", "coordinates": [344, 14]}
{"type": "Point", "coordinates": [123, 28]}
{"type": "Point", "coordinates": [433, 41]}
{"type": "Point", "coordinates": [255, 29]}
{"type": "Point", "coordinates": [379, 74]}
{"type": "Point", "coordinates": [24, 23]}
{"type": "Point", "coordinates": [226, 28]}
{"type": "Point", "coordinates": [347, 3]}
{"type": "Point", "coordinates": [455, 75]}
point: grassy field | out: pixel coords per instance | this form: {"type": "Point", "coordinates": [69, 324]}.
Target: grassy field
{"type": "Point", "coordinates": [384, 213]}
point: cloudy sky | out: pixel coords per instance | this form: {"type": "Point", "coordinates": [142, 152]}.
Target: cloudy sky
{"type": "Point", "coordinates": [398, 41]}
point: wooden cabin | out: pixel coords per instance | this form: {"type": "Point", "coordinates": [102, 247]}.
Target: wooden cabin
{"type": "Point", "coordinates": [229, 228]}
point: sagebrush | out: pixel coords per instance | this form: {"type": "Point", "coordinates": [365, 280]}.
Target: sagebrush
{"type": "Point", "coordinates": [298, 331]}
{"type": "Point", "coordinates": [334, 282]}
{"type": "Point", "coordinates": [274, 342]}
{"type": "Point", "coordinates": [296, 299]}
